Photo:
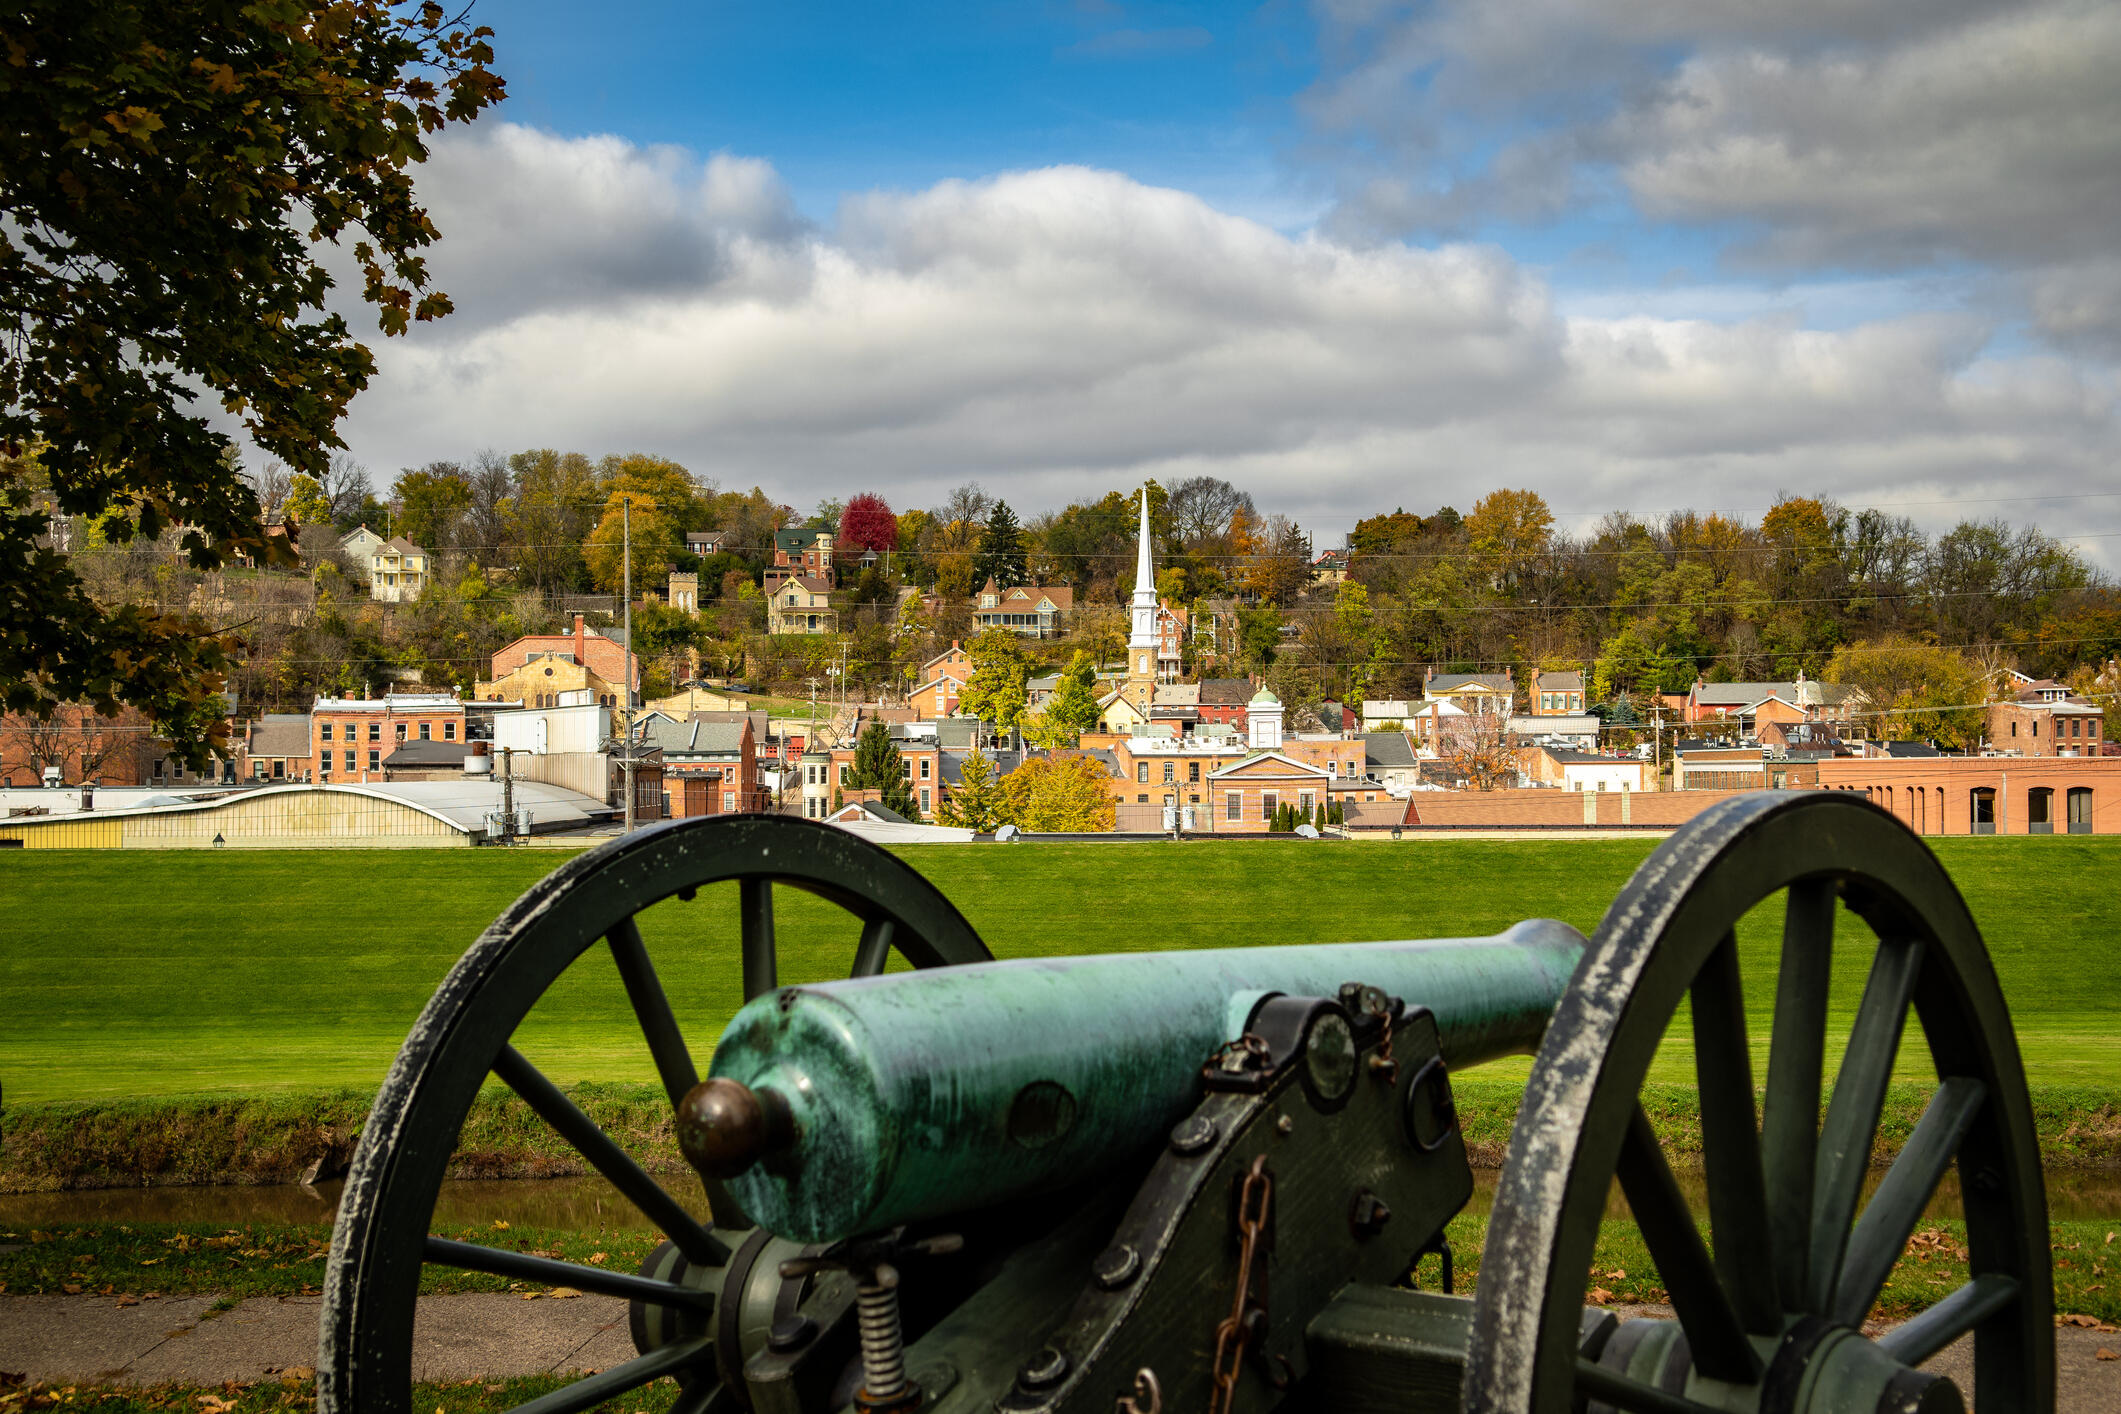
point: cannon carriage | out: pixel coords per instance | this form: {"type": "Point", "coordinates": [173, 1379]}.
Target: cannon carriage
{"type": "Point", "coordinates": [1204, 1180]}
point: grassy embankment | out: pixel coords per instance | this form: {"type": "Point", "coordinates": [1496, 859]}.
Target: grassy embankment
{"type": "Point", "coordinates": [198, 1017]}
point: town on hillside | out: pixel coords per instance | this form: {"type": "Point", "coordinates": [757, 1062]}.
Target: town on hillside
{"type": "Point", "coordinates": [537, 646]}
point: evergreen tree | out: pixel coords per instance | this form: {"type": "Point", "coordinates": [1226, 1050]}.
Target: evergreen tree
{"type": "Point", "coordinates": [977, 801]}
{"type": "Point", "coordinates": [1000, 555]}
{"type": "Point", "coordinates": [879, 767]}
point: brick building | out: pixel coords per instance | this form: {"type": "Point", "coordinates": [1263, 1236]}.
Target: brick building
{"type": "Point", "coordinates": [2045, 726]}
{"type": "Point", "coordinates": [799, 554]}
{"type": "Point", "coordinates": [350, 736]}
{"type": "Point", "coordinates": [1989, 795]}
{"type": "Point", "coordinates": [1222, 702]}
{"type": "Point", "coordinates": [709, 768]}
{"type": "Point", "coordinates": [601, 653]}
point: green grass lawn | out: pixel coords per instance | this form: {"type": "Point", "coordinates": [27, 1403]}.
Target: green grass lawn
{"type": "Point", "coordinates": [143, 973]}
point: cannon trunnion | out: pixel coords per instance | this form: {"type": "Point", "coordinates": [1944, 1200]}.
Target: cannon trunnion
{"type": "Point", "coordinates": [1220, 1180]}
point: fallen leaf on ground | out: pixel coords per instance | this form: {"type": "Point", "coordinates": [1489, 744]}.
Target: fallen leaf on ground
{"type": "Point", "coordinates": [499, 1226]}
{"type": "Point", "coordinates": [597, 1257]}
{"type": "Point", "coordinates": [128, 1301]}
{"type": "Point", "coordinates": [1598, 1296]}
{"type": "Point", "coordinates": [2105, 1354]}
{"type": "Point", "coordinates": [563, 1293]}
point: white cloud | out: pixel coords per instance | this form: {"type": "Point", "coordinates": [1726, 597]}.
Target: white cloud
{"type": "Point", "coordinates": [1999, 140]}
{"type": "Point", "coordinates": [1062, 332]}
{"type": "Point", "coordinates": [1814, 137]}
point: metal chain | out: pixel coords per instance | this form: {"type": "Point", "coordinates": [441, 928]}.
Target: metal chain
{"type": "Point", "coordinates": [1255, 1201]}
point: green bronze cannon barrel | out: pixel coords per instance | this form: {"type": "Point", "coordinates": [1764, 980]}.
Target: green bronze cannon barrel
{"type": "Point", "coordinates": [858, 1105]}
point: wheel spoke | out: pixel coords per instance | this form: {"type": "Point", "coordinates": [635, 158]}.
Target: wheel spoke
{"type": "Point", "coordinates": [1730, 1145]}
{"type": "Point", "coordinates": [755, 905]}
{"type": "Point", "coordinates": [1917, 1340]}
{"type": "Point", "coordinates": [521, 1266]}
{"type": "Point", "coordinates": [592, 1390]}
{"type": "Point", "coordinates": [874, 950]}
{"type": "Point", "coordinates": [1852, 1115]}
{"type": "Point", "coordinates": [1789, 1124]}
{"type": "Point", "coordinates": [1890, 1217]}
{"type": "Point", "coordinates": [665, 1042]}
{"type": "Point", "coordinates": [1612, 1387]}
{"type": "Point", "coordinates": [593, 1144]}
{"type": "Point", "coordinates": [1713, 1331]}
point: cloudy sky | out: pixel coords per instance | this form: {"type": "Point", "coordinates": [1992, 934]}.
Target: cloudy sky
{"type": "Point", "coordinates": [1349, 255]}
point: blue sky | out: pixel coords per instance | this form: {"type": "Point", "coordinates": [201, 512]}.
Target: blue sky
{"type": "Point", "coordinates": [1348, 254]}
{"type": "Point", "coordinates": [846, 97]}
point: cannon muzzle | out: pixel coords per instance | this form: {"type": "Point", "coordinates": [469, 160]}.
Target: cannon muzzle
{"type": "Point", "coordinates": [851, 1106]}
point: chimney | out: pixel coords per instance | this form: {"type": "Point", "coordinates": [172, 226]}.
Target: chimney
{"type": "Point", "coordinates": [581, 652]}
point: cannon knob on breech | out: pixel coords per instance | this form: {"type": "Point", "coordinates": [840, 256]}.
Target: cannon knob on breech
{"type": "Point", "coordinates": [1202, 1180]}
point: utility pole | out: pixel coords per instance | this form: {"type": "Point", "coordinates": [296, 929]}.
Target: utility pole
{"type": "Point", "coordinates": [1657, 744]}
{"type": "Point", "coordinates": [626, 686]}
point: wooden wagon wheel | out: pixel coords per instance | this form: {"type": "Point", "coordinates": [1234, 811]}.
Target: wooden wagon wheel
{"type": "Point", "coordinates": [1772, 1319]}
{"type": "Point", "coordinates": [381, 1239]}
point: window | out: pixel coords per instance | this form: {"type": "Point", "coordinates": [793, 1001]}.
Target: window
{"type": "Point", "coordinates": [375, 760]}
{"type": "Point", "coordinates": [924, 771]}
{"type": "Point", "coordinates": [2014, 728]}
{"type": "Point", "coordinates": [2036, 726]}
{"type": "Point", "coordinates": [324, 766]}
{"type": "Point", "coordinates": [1170, 772]}
{"type": "Point", "coordinates": [1982, 805]}
{"type": "Point", "coordinates": [1141, 772]}
{"type": "Point", "coordinates": [324, 732]}
{"type": "Point", "coordinates": [401, 731]}
{"type": "Point", "coordinates": [375, 731]}
{"type": "Point", "coordinates": [2080, 810]}
{"type": "Point", "coordinates": [1234, 805]}
{"type": "Point", "coordinates": [1269, 802]}
{"type": "Point", "coordinates": [2076, 727]}
{"type": "Point", "coordinates": [424, 729]}
{"type": "Point", "coordinates": [1306, 801]}
{"type": "Point", "coordinates": [279, 770]}
{"type": "Point", "coordinates": [728, 800]}
{"type": "Point", "coordinates": [1142, 799]}
{"type": "Point", "coordinates": [2040, 811]}
{"type": "Point", "coordinates": [449, 731]}
{"type": "Point", "coordinates": [1193, 771]}
{"type": "Point", "coordinates": [257, 770]}
{"type": "Point", "coordinates": [349, 758]}
{"type": "Point", "coordinates": [924, 800]}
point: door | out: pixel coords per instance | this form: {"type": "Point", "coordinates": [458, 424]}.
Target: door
{"type": "Point", "coordinates": [2080, 810]}
{"type": "Point", "coordinates": [1982, 806]}
{"type": "Point", "coordinates": [2039, 811]}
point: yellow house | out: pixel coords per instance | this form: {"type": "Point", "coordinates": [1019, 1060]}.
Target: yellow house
{"type": "Point", "coordinates": [540, 681]}
{"type": "Point", "coordinates": [801, 605]}
{"type": "Point", "coordinates": [397, 572]}
{"type": "Point", "coordinates": [1121, 715]}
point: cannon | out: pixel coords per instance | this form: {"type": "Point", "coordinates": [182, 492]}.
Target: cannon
{"type": "Point", "coordinates": [1208, 1180]}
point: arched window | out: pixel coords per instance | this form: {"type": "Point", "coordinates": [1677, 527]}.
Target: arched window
{"type": "Point", "coordinates": [2040, 811]}
{"type": "Point", "coordinates": [2080, 810]}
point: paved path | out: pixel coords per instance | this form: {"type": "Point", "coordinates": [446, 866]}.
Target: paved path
{"type": "Point", "coordinates": [486, 1335]}
{"type": "Point", "coordinates": [471, 1335]}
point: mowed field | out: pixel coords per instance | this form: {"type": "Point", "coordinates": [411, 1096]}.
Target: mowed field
{"type": "Point", "coordinates": [144, 973]}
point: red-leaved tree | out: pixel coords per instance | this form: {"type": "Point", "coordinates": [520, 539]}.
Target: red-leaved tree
{"type": "Point", "coordinates": [867, 524]}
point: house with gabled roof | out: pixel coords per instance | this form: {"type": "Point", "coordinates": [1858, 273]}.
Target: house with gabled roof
{"type": "Point", "coordinates": [1486, 693]}
{"type": "Point", "coordinates": [799, 554]}
{"type": "Point", "coordinates": [1245, 794]}
{"type": "Point", "coordinates": [1032, 610]}
{"type": "Point", "coordinates": [802, 604]}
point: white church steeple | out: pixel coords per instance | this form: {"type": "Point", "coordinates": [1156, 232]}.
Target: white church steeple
{"type": "Point", "coordinates": [1141, 642]}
